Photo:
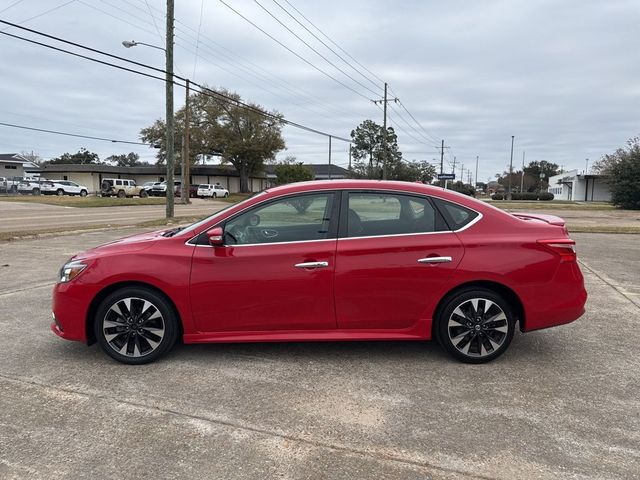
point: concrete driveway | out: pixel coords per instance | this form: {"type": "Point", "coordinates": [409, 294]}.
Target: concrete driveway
{"type": "Point", "coordinates": [561, 403]}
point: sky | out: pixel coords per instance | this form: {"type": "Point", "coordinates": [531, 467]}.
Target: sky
{"type": "Point", "coordinates": [562, 77]}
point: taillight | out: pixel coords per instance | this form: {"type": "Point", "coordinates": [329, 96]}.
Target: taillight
{"type": "Point", "coordinates": [565, 247]}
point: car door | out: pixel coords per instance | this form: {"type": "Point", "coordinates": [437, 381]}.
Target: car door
{"type": "Point", "coordinates": [395, 254]}
{"type": "Point", "coordinates": [275, 270]}
{"type": "Point", "coordinates": [72, 188]}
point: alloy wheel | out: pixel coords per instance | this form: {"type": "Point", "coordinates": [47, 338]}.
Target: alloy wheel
{"type": "Point", "coordinates": [133, 327]}
{"type": "Point", "coordinates": [477, 327]}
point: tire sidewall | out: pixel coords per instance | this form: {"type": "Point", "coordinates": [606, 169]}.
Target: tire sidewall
{"type": "Point", "coordinates": [160, 302]}
{"type": "Point", "coordinates": [452, 303]}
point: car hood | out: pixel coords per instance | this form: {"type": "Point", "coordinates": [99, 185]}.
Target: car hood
{"type": "Point", "coordinates": [133, 243]}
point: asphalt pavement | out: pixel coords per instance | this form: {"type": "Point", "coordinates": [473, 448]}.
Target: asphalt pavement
{"type": "Point", "coordinates": [561, 403]}
{"type": "Point", "coordinates": [24, 216]}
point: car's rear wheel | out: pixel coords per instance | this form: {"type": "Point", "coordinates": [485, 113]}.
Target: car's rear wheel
{"type": "Point", "coordinates": [121, 194]}
{"type": "Point", "coordinates": [135, 325]}
{"type": "Point", "coordinates": [143, 194]}
{"type": "Point", "coordinates": [475, 325]}
{"type": "Point", "coordinates": [215, 195]}
{"type": "Point", "coordinates": [35, 191]}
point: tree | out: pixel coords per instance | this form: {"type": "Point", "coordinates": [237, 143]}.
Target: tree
{"type": "Point", "coordinates": [31, 156]}
{"type": "Point", "coordinates": [622, 170]}
{"type": "Point", "coordinates": [461, 187]}
{"type": "Point", "coordinates": [412, 171]}
{"type": "Point", "coordinates": [244, 137]}
{"type": "Point", "coordinates": [290, 171]}
{"type": "Point", "coordinates": [530, 183]}
{"type": "Point", "coordinates": [536, 167]}
{"type": "Point", "coordinates": [83, 156]}
{"type": "Point", "coordinates": [368, 153]}
{"type": "Point", "coordinates": [125, 160]}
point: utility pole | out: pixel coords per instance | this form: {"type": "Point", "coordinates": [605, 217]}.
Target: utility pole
{"type": "Point", "coordinates": [510, 169]}
{"type": "Point", "coordinates": [476, 177]}
{"type": "Point", "coordinates": [349, 157]}
{"type": "Point", "coordinates": [454, 165]}
{"type": "Point", "coordinates": [522, 176]}
{"type": "Point", "coordinates": [329, 157]}
{"type": "Point", "coordinates": [442, 159]}
{"type": "Point", "coordinates": [186, 163]}
{"type": "Point", "coordinates": [586, 170]}
{"type": "Point", "coordinates": [384, 102]}
{"type": "Point", "coordinates": [462, 172]}
{"type": "Point", "coordinates": [169, 107]}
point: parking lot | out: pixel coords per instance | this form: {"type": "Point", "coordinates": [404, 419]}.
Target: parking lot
{"type": "Point", "coordinates": [561, 403]}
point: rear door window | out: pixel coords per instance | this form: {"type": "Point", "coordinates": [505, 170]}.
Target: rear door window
{"type": "Point", "coordinates": [377, 214]}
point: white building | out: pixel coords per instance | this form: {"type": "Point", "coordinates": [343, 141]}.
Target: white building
{"type": "Point", "coordinates": [579, 187]}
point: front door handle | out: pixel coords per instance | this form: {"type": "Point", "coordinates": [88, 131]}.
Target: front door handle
{"type": "Point", "coordinates": [434, 260]}
{"type": "Point", "coordinates": [312, 265]}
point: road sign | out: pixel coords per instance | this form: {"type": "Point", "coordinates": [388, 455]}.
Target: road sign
{"type": "Point", "coordinates": [446, 176]}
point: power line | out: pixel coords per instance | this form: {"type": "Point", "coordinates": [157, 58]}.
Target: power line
{"type": "Point", "coordinates": [203, 89]}
{"type": "Point", "coordinates": [293, 52]}
{"type": "Point", "coordinates": [40, 14]}
{"type": "Point", "coordinates": [323, 43]}
{"type": "Point", "coordinates": [153, 19]}
{"type": "Point", "coordinates": [334, 43]}
{"type": "Point", "coordinates": [67, 134]}
{"type": "Point", "coordinates": [195, 61]}
{"type": "Point", "coordinates": [313, 49]}
{"type": "Point", "coordinates": [11, 6]}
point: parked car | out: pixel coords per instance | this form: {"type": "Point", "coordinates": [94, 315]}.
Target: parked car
{"type": "Point", "coordinates": [209, 190]}
{"type": "Point", "coordinates": [121, 188]}
{"type": "Point", "coordinates": [328, 260]}
{"type": "Point", "coordinates": [161, 189]}
{"type": "Point", "coordinates": [31, 186]}
{"type": "Point", "coordinates": [148, 186]}
{"type": "Point", "coordinates": [10, 184]}
{"type": "Point", "coordinates": [63, 187]}
{"type": "Point", "coordinates": [193, 191]}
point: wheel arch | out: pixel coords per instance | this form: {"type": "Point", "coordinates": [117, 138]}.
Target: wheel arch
{"type": "Point", "coordinates": [499, 288]}
{"type": "Point", "coordinates": [102, 294]}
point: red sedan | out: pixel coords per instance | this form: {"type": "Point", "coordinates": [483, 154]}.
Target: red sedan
{"type": "Point", "coordinates": [334, 260]}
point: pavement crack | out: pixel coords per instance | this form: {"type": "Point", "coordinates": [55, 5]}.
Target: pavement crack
{"type": "Point", "coordinates": [610, 283]}
{"type": "Point", "coordinates": [30, 287]}
{"type": "Point", "coordinates": [369, 453]}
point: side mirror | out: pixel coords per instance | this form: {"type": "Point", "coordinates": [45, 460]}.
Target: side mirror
{"type": "Point", "coordinates": [215, 236]}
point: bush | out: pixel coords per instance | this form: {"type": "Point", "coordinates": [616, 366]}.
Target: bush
{"type": "Point", "coordinates": [497, 196]}
{"type": "Point", "coordinates": [524, 196]}
{"type": "Point", "coordinates": [545, 196]}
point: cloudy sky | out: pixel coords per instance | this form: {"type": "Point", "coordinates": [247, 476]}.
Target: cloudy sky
{"type": "Point", "coordinates": [563, 77]}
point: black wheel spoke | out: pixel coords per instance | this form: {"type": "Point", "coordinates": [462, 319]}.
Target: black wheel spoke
{"type": "Point", "coordinates": [477, 327]}
{"type": "Point", "coordinates": [133, 327]}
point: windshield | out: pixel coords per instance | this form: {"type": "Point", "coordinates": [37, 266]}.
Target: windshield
{"type": "Point", "coordinates": [195, 226]}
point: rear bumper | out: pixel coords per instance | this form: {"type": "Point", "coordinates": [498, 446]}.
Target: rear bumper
{"type": "Point", "coordinates": [558, 302]}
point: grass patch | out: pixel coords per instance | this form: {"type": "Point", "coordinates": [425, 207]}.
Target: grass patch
{"type": "Point", "coordinates": [537, 205]}
{"type": "Point", "coordinates": [235, 197]}
{"type": "Point", "coordinates": [602, 229]}
{"type": "Point", "coordinates": [84, 202]}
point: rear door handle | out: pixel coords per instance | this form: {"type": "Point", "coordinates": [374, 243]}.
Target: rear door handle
{"type": "Point", "coordinates": [312, 265]}
{"type": "Point", "coordinates": [434, 260]}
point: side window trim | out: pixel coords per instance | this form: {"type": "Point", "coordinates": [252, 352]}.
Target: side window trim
{"type": "Point", "coordinates": [344, 213]}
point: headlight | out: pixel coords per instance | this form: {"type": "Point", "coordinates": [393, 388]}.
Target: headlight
{"type": "Point", "coordinates": [71, 270]}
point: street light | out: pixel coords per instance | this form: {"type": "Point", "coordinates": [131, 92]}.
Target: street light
{"type": "Point", "coordinates": [133, 43]}
{"type": "Point", "coordinates": [168, 104]}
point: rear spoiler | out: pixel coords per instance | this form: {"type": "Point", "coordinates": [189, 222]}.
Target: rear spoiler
{"type": "Point", "coordinates": [550, 219]}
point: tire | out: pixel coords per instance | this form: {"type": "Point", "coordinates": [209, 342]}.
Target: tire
{"type": "Point", "coordinates": [226, 195]}
{"type": "Point", "coordinates": [215, 195]}
{"type": "Point", "coordinates": [470, 337]}
{"type": "Point", "coordinates": [121, 194]}
{"type": "Point", "coordinates": [35, 191]}
{"type": "Point", "coordinates": [60, 192]}
{"type": "Point", "coordinates": [143, 194]}
{"type": "Point", "coordinates": [133, 343]}
{"type": "Point", "coordinates": [83, 193]}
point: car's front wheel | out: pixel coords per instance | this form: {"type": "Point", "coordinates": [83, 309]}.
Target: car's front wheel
{"type": "Point", "coordinates": [475, 325]}
{"type": "Point", "coordinates": [60, 192]}
{"type": "Point", "coordinates": [83, 193]}
{"type": "Point", "coordinates": [135, 325]}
